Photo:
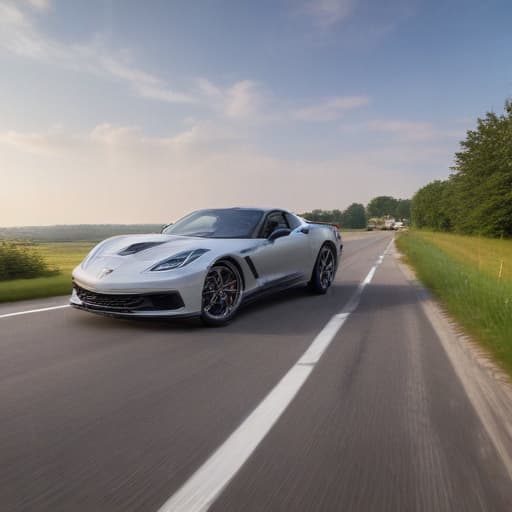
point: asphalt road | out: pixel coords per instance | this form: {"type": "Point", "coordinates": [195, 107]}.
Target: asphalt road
{"type": "Point", "coordinates": [98, 414]}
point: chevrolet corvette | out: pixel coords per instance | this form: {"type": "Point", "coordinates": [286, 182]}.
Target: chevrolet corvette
{"type": "Point", "coordinates": [207, 265]}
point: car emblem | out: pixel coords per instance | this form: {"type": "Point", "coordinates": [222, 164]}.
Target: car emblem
{"type": "Point", "coordinates": [105, 272]}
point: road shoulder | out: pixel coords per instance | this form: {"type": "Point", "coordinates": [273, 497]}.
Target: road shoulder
{"type": "Point", "coordinates": [487, 386]}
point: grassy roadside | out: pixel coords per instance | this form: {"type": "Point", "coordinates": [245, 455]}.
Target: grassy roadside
{"type": "Point", "coordinates": [65, 256]}
{"type": "Point", "coordinates": [463, 274]}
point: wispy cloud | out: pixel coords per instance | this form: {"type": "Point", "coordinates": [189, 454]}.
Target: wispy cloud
{"type": "Point", "coordinates": [19, 36]}
{"type": "Point", "coordinates": [39, 4]}
{"type": "Point", "coordinates": [245, 100]}
{"type": "Point", "coordinates": [326, 13]}
{"type": "Point", "coordinates": [329, 109]}
{"type": "Point", "coordinates": [404, 129]}
{"type": "Point", "coordinates": [251, 101]}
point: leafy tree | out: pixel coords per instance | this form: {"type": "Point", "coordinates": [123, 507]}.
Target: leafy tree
{"type": "Point", "coordinates": [381, 206]}
{"type": "Point", "coordinates": [482, 179]}
{"type": "Point", "coordinates": [354, 217]}
{"type": "Point", "coordinates": [429, 206]}
{"type": "Point", "coordinates": [323, 216]}
{"type": "Point", "coordinates": [403, 209]}
{"type": "Point", "coordinates": [477, 198]}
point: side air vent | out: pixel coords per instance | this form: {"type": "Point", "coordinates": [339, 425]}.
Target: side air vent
{"type": "Point", "coordinates": [135, 248]}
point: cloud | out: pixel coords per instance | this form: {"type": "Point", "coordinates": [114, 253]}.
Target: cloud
{"type": "Point", "coordinates": [245, 100]}
{"type": "Point", "coordinates": [133, 177]}
{"type": "Point", "coordinates": [39, 4]}
{"type": "Point", "coordinates": [404, 129]}
{"type": "Point", "coordinates": [329, 109]}
{"type": "Point", "coordinates": [250, 101]}
{"type": "Point", "coordinates": [326, 13]}
{"type": "Point", "coordinates": [19, 36]}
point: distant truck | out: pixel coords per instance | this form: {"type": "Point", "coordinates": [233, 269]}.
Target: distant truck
{"type": "Point", "coordinates": [389, 223]}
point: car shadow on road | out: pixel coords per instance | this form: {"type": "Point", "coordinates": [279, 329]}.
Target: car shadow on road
{"type": "Point", "coordinates": [290, 312]}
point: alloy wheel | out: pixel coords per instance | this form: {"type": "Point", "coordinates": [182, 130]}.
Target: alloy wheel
{"type": "Point", "coordinates": [222, 291]}
{"type": "Point", "coordinates": [326, 267]}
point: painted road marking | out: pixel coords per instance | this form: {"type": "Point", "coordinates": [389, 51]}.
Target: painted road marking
{"type": "Point", "coordinates": [205, 485]}
{"type": "Point", "coordinates": [18, 313]}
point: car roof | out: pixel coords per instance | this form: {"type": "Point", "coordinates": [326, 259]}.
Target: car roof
{"type": "Point", "coordinates": [259, 208]}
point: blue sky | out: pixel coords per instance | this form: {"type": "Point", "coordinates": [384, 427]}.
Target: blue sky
{"type": "Point", "coordinates": [156, 108]}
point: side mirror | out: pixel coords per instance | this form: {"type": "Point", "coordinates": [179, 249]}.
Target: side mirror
{"type": "Point", "coordinates": [279, 233]}
{"type": "Point", "coordinates": [165, 226]}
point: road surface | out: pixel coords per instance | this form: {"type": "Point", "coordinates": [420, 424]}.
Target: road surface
{"type": "Point", "coordinates": [99, 414]}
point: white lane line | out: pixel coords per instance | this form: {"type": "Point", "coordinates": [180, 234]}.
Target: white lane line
{"type": "Point", "coordinates": [205, 485]}
{"type": "Point", "coordinates": [18, 313]}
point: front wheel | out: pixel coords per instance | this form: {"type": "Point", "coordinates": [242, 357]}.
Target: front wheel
{"type": "Point", "coordinates": [324, 270]}
{"type": "Point", "coordinates": [222, 293]}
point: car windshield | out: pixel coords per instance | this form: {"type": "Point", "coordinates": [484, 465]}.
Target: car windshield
{"type": "Point", "coordinates": [228, 223]}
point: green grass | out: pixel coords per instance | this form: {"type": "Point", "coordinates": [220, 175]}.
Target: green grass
{"type": "Point", "coordinates": [65, 256]}
{"type": "Point", "coordinates": [486, 254]}
{"type": "Point", "coordinates": [463, 273]}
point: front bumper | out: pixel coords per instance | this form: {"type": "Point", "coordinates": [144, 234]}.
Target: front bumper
{"type": "Point", "coordinates": [179, 296]}
{"type": "Point", "coordinates": [142, 304]}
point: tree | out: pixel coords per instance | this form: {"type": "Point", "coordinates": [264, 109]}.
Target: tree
{"type": "Point", "coordinates": [482, 178]}
{"type": "Point", "coordinates": [318, 215]}
{"type": "Point", "coordinates": [354, 217]}
{"type": "Point", "coordinates": [382, 206]}
{"type": "Point", "coordinates": [403, 209]}
{"type": "Point", "coordinates": [428, 206]}
{"type": "Point", "coordinates": [477, 198]}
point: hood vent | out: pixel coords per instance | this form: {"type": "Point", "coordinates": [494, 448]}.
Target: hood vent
{"type": "Point", "coordinates": [135, 248]}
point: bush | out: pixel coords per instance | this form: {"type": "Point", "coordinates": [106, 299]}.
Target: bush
{"type": "Point", "coordinates": [19, 260]}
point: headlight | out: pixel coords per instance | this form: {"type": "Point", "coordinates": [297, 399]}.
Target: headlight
{"type": "Point", "coordinates": [178, 260]}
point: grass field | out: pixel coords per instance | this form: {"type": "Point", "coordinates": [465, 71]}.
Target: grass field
{"type": "Point", "coordinates": [65, 256]}
{"type": "Point", "coordinates": [464, 273]}
{"type": "Point", "coordinates": [486, 254]}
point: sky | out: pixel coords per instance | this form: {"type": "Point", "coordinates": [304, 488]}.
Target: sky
{"type": "Point", "coordinates": [132, 112]}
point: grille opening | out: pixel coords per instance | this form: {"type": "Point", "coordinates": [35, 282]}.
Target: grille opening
{"type": "Point", "coordinates": [129, 302]}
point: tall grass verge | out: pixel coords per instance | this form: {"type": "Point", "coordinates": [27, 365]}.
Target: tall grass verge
{"type": "Point", "coordinates": [477, 299]}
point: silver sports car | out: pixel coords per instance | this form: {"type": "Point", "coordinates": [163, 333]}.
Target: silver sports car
{"type": "Point", "coordinates": [207, 264]}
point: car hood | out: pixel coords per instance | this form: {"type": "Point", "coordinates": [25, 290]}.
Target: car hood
{"type": "Point", "coordinates": [141, 252]}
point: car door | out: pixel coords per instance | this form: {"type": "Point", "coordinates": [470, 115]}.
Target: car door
{"type": "Point", "coordinates": [282, 260]}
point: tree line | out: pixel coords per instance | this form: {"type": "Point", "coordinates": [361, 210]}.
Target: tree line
{"type": "Point", "coordinates": [75, 233]}
{"type": "Point", "coordinates": [356, 216]}
{"type": "Point", "coordinates": [477, 197]}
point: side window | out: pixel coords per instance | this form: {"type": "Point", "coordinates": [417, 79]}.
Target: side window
{"type": "Point", "coordinates": [275, 220]}
{"type": "Point", "coordinates": [293, 221]}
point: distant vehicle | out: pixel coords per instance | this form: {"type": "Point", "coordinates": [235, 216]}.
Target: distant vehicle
{"type": "Point", "coordinates": [398, 225]}
{"type": "Point", "coordinates": [207, 264]}
{"type": "Point", "coordinates": [389, 223]}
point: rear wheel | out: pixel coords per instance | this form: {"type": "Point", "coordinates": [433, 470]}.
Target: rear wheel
{"type": "Point", "coordinates": [324, 270]}
{"type": "Point", "coordinates": [222, 293]}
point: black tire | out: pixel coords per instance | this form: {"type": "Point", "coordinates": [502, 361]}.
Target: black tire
{"type": "Point", "coordinates": [324, 270]}
{"type": "Point", "coordinates": [222, 293]}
